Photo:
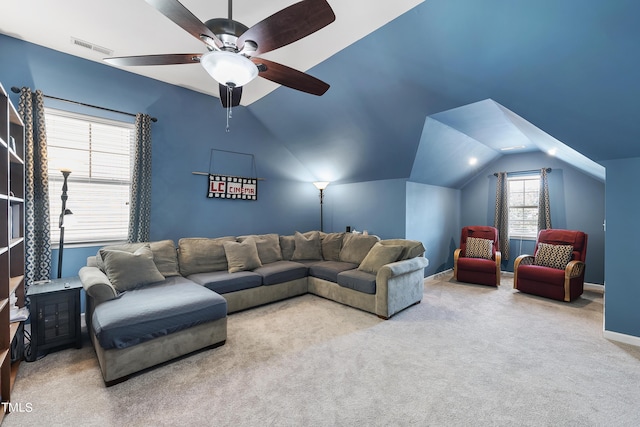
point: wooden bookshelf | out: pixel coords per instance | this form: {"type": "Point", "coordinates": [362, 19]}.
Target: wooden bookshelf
{"type": "Point", "coordinates": [12, 247]}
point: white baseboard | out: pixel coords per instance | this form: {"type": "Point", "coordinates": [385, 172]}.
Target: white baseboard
{"type": "Point", "coordinates": [440, 274]}
{"type": "Point", "coordinates": [623, 338]}
{"type": "Point", "coordinates": [594, 287]}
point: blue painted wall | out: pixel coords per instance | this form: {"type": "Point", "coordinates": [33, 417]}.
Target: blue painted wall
{"type": "Point", "coordinates": [433, 217]}
{"type": "Point", "coordinates": [376, 206]}
{"type": "Point", "coordinates": [577, 203]}
{"type": "Point", "coordinates": [340, 131]}
{"type": "Point", "coordinates": [189, 125]}
{"type": "Point", "coordinates": [622, 301]}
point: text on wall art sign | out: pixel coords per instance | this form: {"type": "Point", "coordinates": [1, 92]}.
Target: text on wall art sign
{"type": "Point", "coordinates": [232, 187]}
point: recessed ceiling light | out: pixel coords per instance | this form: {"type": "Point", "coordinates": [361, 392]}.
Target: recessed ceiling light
{"type": "Point", "coordinates": [515, 147]}
{"type": "Point", "coordinates": [552, 151]}
{"type": "Point", "coordinates": [473, 161]}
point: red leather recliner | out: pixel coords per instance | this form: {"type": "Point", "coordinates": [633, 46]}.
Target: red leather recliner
{"type": "Point", "coordinates": [483, 271]}
{"type": "Point", "coordinates": [560, 284]}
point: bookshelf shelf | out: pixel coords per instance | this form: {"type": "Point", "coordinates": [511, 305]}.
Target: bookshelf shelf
{"type": "Point", "coordinates": [12, 255]}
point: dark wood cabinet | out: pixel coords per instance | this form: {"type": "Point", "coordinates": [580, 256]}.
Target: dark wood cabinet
{"type": "Point", "coordinates": [55, 315]}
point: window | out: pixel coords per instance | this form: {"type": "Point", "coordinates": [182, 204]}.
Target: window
{"type": "Point", "coordinates": [523, 206]}
{"type": "Point", "coordinates": [99, 154]}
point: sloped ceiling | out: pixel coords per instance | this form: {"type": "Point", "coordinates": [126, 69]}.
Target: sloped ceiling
{"type": "Point", "coordinates": [467, 139]}
{"type": "Point", "coordinates": [133, 27]}
{"type": "Point", "coordinates": [563, 73]}
{"type": "Point", "coordinates": [561, 69]}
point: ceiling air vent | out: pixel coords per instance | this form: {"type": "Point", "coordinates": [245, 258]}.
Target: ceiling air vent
{"type": "Point", "coordinates": [91, 46]}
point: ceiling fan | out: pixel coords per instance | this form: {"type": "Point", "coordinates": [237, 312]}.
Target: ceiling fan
{"type": "Point", "coordinates": [232, 48]}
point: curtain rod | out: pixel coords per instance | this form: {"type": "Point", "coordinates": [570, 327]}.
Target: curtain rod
{"type": "Point", "coordinates": [15, 89]}
{"type": "Point", "coordinates": [529, 171]}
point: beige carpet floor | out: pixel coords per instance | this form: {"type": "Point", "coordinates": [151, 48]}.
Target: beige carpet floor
{"type": "Point", "coordinates": [468, 355]}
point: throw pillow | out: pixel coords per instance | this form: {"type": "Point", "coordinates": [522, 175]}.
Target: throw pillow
{"type": "Point", "coordinates": [202, 255]}
{"type": "Point", "coordinates": [308, 246]}
{"type": "Point", "coordinates": [554, 256]}
{"type": "Point", "coordinates": [165, 257]}
{"type": "Point", "coordinates": [331, 245]}
{"type": "Point", "coordinates": [268, 247]}
{"type": "Point", "coordinates": [130, 270]}
{"type": "Point", "coordinates": [479, 248]}
{"type": "Point", "coordinates": [287, 245]}
{"type": "Point", "coordinates": [380, 255]}
{"type": "Point", "coordinates": [242, 256]}
{"type": "Point", "coordinates": [127, 247]}
{"type": "Point", "coordinates": [356, 246]}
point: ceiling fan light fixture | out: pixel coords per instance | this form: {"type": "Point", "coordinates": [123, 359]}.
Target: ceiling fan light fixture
{"type": "Point", "coordinates": [228, 68]}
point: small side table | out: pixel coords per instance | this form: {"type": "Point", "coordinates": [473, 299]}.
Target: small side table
{"type": "Point", "coordinates": [55, 315]}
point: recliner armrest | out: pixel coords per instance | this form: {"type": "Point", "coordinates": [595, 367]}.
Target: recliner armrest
{"type": "Point", "coordinates": [456, 255]}
{"type": "Point", "coordinates": [524, 260]}
{"type": "Point", "coordinates": [574, 269]}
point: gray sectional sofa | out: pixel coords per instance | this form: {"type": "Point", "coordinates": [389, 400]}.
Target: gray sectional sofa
{"type": "Point", "coordinates": [148, 303]}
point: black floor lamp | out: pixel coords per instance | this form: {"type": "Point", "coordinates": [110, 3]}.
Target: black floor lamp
{"type": "Point", "coordinates": [321, 185]}
{"type": "Point", "coordinates": [61, 223]}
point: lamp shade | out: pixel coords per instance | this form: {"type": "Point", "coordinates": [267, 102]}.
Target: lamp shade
{"type": "Point", "coordinates": [321, 185]}
{"type": "Point", "coordinates": [68, 219]}
{"type": "Point", "coordinates": [228, 68]}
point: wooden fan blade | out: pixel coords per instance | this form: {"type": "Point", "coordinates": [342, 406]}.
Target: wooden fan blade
{"type": "Point", "coordinates": [289, 25]}
{"type": "Point", "coordinates": [169, 59]}
{"type": "Point", "coordinates": [290, 77]}
{"type": "Point", "coordinates": [235, 96]}
{"type": "Point", "coordinates": [175, 11]}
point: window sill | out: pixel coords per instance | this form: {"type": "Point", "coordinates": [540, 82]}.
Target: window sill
{"type": "Point", "coordinates": [56, 245]}
{"type": "Point", "coordinates": [533, 239]}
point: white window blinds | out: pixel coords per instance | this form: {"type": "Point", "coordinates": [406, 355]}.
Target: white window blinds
{"type": "Point", "coordinates": [523, 206]}
{"type": "Point", "coordinates": [99, 153]}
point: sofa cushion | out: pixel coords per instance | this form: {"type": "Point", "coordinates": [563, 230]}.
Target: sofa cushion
{"type": "Point", "coordinates": [308, 246]}
{"type": "Point", "coordinates": [356, 246]}
{"type": "Point", "coordinates": [331, 245]}
{"type": "Point", "coordinates": [358, 280]}
{"type": "Point", "coordinates": [410, 248]}
{"type": "Point", "coordinates": [242, 256]}
{"type": "Point", "coordinates": [224, 282]}
{"type": "Point", "coordinates": [378, 256]}
{"type": "Point", "coordinates": [287, 246]}
{"type": "Point", "coordinates": [554, 256]}
{"type": "Point", "coordinates": [127, 270]}
{"type": "Point", "coordinates": [154, 311]}
{"type": "Point", "coordinates": [538, 273]}
{"type": "Point", "coordinates": [281, 271]}
{"type": "Point", "coordinates": [201, 254]}
{"type": "Point", "coordinates": [268, 246]}
{"type": "Point", "coordinates": [328, 270]}
{"type": "Point", "coordinates": [480, 265]}
{"type": "Point", "coordinates": [164, 255]}
{"type": "Point", "coordinates": [479, 248]}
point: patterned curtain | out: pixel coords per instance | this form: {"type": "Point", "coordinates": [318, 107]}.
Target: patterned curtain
{"type": "Point", "coordinates": [501, 220]}
{"type": "Point", "coordinates": [544, 210]}
{"type": "Point", "coordinates": [37, 233]}
{"type": "Point", "coordinates": [140, 206]}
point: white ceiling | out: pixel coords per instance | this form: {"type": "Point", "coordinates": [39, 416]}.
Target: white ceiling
{"type": "Point", "coordinates": [133, 27]}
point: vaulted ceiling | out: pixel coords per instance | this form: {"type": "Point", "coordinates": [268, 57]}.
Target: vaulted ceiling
{"type": "Point", "coordinates": [411, 87]}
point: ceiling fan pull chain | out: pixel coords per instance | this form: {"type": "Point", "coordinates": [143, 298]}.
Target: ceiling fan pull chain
{"type": "Point", "coordinates": [229, 99]}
